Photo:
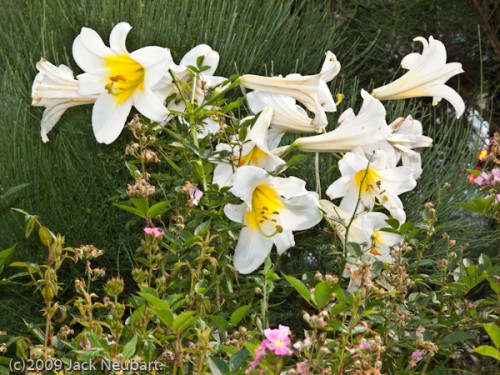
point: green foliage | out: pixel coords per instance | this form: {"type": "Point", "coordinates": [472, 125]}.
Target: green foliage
{"type": "Point", "coordinates": [180, 300]}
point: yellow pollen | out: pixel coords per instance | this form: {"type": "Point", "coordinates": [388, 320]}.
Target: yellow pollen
{"type": "Point", "coordinates": [126, 76]}
{"type": "Point", "coordinates": [252, 157]}
{"type": "Point", "coordinates": [266, 205]}
{"type": "Point", "coordinates": [367, 180]}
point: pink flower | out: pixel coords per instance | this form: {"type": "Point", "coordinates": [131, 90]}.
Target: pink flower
{"type": "Point", "coordinates": [482, 179]}
{"type": "Point", "coordinates": [417, 355]}
{"type": "Point", "coordinates": [259, 353]}
{"type": "Point", "coordinates": [195, 194]}
{"type": "Point", "coordinates": [495, 173]}
{"type": "Point", "coordinates": [88, 345]}
{"type": "Point", "coordinates": [154, 232]}
{"type": "Point", "coordinates": [278, 340]}
{"type": "Point", "coordinates": [302, 368]}
{"type": "Point", "coordinates": [365, 345]}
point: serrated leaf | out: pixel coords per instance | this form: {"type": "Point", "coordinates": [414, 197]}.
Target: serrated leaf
{"type": "Point", "coordinates": [129, 349]}
{"type": "Point", "coordinates": [299, 287]}
{"type": "Point", "coordinates": [239, 314]}
{"type": "Point", "coordinates": [217, 366]}
{"type": "Point", "coordinates": [457, 336]}
{"type": "Point", "coordinates": [488, 350]}
{"type": "Point", "coordinates": [494, 332]}
{"type": "Point", "coordinates": [322, 294]}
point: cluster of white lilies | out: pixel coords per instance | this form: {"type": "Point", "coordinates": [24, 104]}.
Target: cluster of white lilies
{"type": "Point", "coordinates": [115, 80]}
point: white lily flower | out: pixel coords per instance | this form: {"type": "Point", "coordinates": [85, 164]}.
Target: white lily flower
{"type": "Point", "coordinates": [56, 89]}
{"type": "Point", "coordinates": [254, 151]}
{"type": "Point", "coordinates": [288, 117]}
{"type": "Point", "coordinates": [364, 230]}
{"type": "Point", "coordinates": [366, 127]}
{"type": "Point", "coordinates": [121, 79]}
{"type": "Point", "coordinates": [272, 208]}
{"type": "Point", "coordinates": [372, 182]}
{"type": "Point", "coordinates": [399, 144]}
{"type": "Point", "coordinates": [312, 91]}
{"type": "Point", "coordinates": [426, 76]}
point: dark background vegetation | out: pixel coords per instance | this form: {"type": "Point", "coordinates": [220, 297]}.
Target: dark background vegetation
{"type": "Point", "coordinates": [73, 181]}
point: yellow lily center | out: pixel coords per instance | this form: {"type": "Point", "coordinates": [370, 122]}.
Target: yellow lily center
{"type": "Point", "coordinates": [252, 157]}
{"type": "Point", "coordinates": [125, 77]}
{"type": "Point", "coordinates": [367, 180]}
{"type": "Point", "coordinates": [266, 205]}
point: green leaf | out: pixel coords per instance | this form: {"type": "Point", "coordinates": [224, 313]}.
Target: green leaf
{"type": "Point", "coordinates": [130, 209]}
{"type": "Point", "coordinates": [201, 286]}
{"type": "Point", "coordinates": [150, 291]}
{"type": "Point", "coordinates": [393, 223]}
{"type": "Point", "coordinates": [494, 333]}
{"type": "Point", "coordinates": [406, 227]}
{"type": "Point", "coordinates": [488, 350]}
{"type": "Point", "coordinates": [337, 308]}
{"type": "Point", "coordinates": [5, 256]}
{"type": "Point", "coordinates": [322, 294]}
{"type": "Point", "coordinates": [45, 236]}
{"type": "Point", "coordinates": [12, 191]}
{"type": "Point", "coordinates": [202, 229]}
{"type": "Point", "coordinates": [457, 336]}
{"type": "Point", "coordinates": [142, 205]}
{"type": "Point", "coordinates": [217, 366]}
{"type": "Point", "coordinates": [183, 321]}
{"type": "Point", "coordinates": [30, 224]}
{"type": "Point", "coordinates": [354, 248]}
{"type": "Point", "coordinates": [158, 209]}
{"type": "Point", "coordinates": [299, 287]}
{"type": "Point", "coordinates": [219, 321]}
{"type": "Point", "coordinates": [160, 307]}
{"type": "Point", "coordinates": [242, 134]}
{"type": "Point", "coordinates": [237, 360]}
{"type": "Point", "coordinates": [129, 349]}
{"type": "Point", "coordinates": [339, 292]}
{"type": "Point", "coordinates": [295, 159]}
{"type": "Point", "coordinates": [239, 314]}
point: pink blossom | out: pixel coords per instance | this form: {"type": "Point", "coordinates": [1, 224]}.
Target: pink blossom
{"type": "Point", "coordinates": [365, 345]}
{"type": "Point", "coordinates": [195, 194]}
{"type": "Point", "coordinates": [482, 179]}
{"type": "Point", "coordinates": [154, 232]}
{"type": "Point", "coordinates": [495, 173]}
{"type": "Point", "coordinates": [302, 368]}
{"type": "Point", "coordinates": [417, 355]}
{"type": "Point", "coordinates": [88, 345]}
{"type": "Point", "coordinates": [259, 353]}
{"type": "Point", "coordinates": [279, 340]}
